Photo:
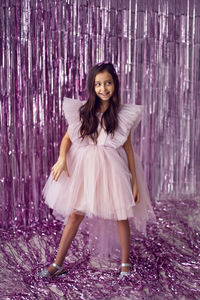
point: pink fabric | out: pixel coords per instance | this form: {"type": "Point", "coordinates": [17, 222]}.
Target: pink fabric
{"type": "Point", "coordinates": [99, 185]}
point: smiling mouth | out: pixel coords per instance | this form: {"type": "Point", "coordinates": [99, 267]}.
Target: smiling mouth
{"type": "Point", "coordinates": [105, 94]}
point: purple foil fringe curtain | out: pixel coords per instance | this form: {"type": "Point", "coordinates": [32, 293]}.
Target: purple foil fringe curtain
{"type": "Point", "coordinates": [46, 50]}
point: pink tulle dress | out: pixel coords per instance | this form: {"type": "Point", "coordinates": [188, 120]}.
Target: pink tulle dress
{"type": "Point", "coordinates": [99, 185]}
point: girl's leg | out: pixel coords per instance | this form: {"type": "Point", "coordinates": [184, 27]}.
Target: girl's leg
{"type": "Point", "coordinates": [124, 236]}
{"type": "Point", "coordinates": [68, 235]}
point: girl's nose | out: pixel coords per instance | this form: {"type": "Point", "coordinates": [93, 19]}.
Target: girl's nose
{"type": "Point", "coordinates": [103, 87]}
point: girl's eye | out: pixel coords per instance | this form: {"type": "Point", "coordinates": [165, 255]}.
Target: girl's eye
{"type": "Point", "coordinates": [107, 83]}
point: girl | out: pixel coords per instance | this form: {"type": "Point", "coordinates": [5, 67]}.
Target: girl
{"type": "Point", "coordinates": [97, 173]}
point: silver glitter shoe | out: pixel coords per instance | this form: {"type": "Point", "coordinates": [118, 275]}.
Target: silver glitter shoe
{"type": "Point", "coordinates": [46, 274]}
{"type": "Point", "coordinates": [123, 273]}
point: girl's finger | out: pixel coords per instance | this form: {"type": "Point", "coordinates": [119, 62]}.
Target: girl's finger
{"type": "Point", "coordinates": [66, 172]}
{"type": "Point", "coordinates": [57, 176]}
{"type": "Point", "coordinates": [138, 198]}
{"type": "Point", "coordinates": [54, 173]}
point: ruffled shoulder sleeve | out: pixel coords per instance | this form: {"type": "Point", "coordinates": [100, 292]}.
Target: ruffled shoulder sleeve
{"type": "Point", "coordinates": [71, 112]}
{"type": "Point", "coordinates": [71, 109]}
{"type": "Point", "coordinates": [129, 117]}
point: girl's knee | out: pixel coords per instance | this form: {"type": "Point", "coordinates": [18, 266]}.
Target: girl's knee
{"type": "Point", "coordinates": [75, 218]}
{"type": "Point", "coordinates": [123, 222]}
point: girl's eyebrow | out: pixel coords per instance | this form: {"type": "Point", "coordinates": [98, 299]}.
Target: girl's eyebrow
{"type": "Point", "coordinates": [104, 80]}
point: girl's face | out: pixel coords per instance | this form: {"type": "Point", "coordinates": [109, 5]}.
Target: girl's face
{"type": "Point", "coordinates": [104, 85]}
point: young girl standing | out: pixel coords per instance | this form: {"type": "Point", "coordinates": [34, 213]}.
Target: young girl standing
{"type": "Point", "coordinates": [97, 174]}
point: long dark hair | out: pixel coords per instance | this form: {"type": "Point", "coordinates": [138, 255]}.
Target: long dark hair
{"type": "Point", "coordinates": [88, 111]}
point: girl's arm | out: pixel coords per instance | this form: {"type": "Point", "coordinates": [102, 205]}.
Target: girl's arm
{"type": "Point", "coordinates": [131, 163]}
{"type": "Point", "coordinates": [64, 146]}
{"type": "Point", "coordinates": [61, 164]}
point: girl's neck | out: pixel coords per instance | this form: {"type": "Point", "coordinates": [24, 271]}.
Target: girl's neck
{"type": "Point", "coordinates": [103, 107]}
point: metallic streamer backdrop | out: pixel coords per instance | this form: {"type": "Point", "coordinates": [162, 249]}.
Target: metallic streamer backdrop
{"type": "Point", "coordinates": [46, 50]}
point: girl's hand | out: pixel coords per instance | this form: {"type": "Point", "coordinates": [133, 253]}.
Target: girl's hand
{"type": "Point", "coordinates": [136, 194]}
{"type": "Point", "coordinates": [60, 165]}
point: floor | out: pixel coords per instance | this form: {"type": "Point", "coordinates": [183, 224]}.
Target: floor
{"type": "Point", "coordinates": [166, 263]}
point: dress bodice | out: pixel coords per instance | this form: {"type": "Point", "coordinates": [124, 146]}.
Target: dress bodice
{"type": "Point", "coordinates": [102, 134]}
{"type": "Point", "coordinates": [129, 116]}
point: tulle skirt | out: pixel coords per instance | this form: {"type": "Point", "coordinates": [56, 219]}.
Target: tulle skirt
{"type": "Point", "coordinates": [100, 187]}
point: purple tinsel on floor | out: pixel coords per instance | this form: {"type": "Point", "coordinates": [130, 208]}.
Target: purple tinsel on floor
{"type": "Point", "coordinates": [166, 263]}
